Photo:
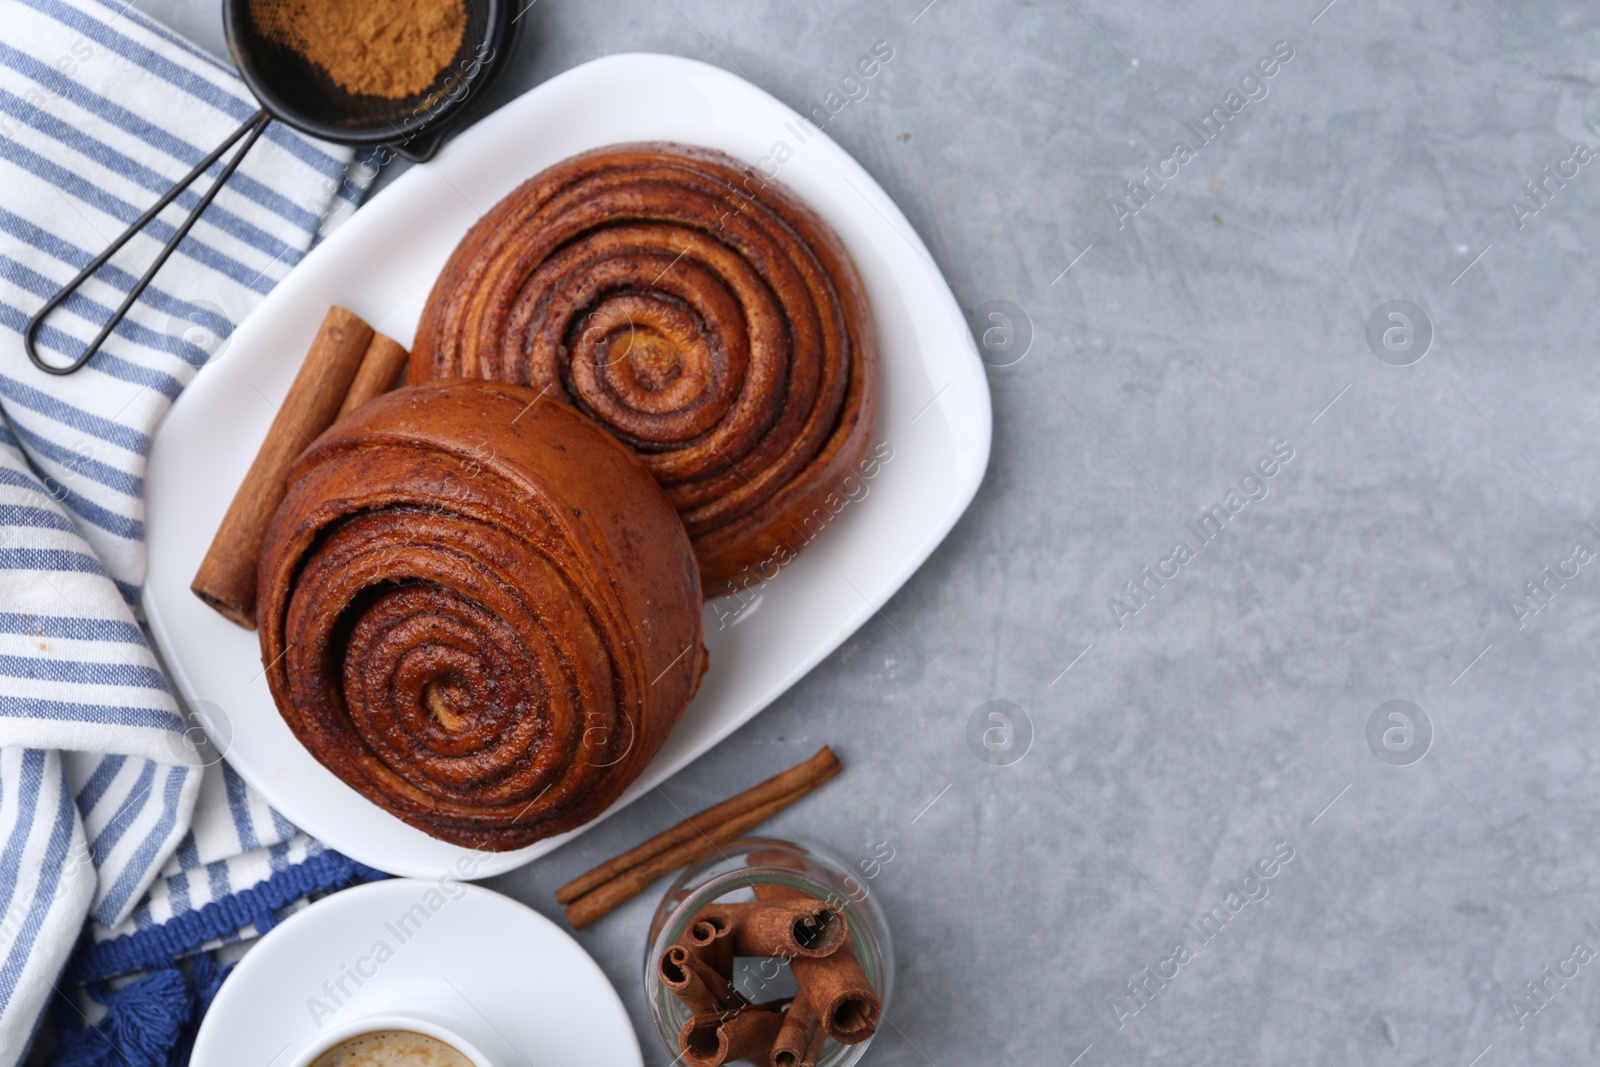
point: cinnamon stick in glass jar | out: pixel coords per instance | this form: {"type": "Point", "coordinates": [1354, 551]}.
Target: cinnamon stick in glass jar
{"type": "Point", "coordinates": [845, 1001]}
{"type": "Point", "coordinates": [696, 983]}
{"type": "Point", "coordinates": [799, 1042]}
{"type": "Point", "coordinates": [784, 928]}
{"type": "Point", "coordinates": [710, 943]}
{"type": "Point", "coordinates": [714, 1038]}
{"type": "Point", "coordinates": [835, 985]}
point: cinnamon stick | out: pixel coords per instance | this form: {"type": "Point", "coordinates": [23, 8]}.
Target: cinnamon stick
{"type": "Point", "coordinates": [226, 579]}
{"type": "Point", "coordinates": [838, 989]}
{"type": "Point", "coordinates": [695, 983]}
{"type": "Point", "coordinates": [799, 1041]}
{"type": "Point", "coordinates": [711, 944]}
{"type": "Point", "coordinates": [380, 367]}
{"type": "Point", "coordinates": [802, 926]}
{"type": "Point", "coordinates": [803, 777]}
{"type": "Point", "coordinates": [613, 894]}
{"type": "Point", "coordinates": [602, 890]}
{"type": "Point", "coordinates": [835, 985]}
{"type": "Point", "coordinates": [714, 1038]}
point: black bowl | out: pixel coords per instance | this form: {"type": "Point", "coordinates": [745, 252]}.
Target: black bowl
{"type": "Point", "coordinates": [301, 94]}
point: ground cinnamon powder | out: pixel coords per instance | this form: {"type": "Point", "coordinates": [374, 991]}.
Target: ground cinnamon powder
{"type": "Point", "coordinates": [392, 49]}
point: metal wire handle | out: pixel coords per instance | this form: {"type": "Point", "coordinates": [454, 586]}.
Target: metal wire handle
{"type": "Point", "coordinates": [251, 131]}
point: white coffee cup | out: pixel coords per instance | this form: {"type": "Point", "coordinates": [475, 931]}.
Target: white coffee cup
{"type": "Point", "coordinates": [379, 1023]}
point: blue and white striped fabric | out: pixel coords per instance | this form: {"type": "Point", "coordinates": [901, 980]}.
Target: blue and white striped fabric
{"type": "Point", "coordinates": [106, 811]}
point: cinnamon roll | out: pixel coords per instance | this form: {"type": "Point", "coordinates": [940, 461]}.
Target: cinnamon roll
{"type": "Point", "coordinates": [479, 611]}
{"type": "Point", "coordinates": [700, 313]}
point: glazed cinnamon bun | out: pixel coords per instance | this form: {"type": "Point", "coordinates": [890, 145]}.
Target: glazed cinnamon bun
{"type": "Point", "coordinates": [479, 611]}
{"type": "Point", "coordinates": [699, 312]}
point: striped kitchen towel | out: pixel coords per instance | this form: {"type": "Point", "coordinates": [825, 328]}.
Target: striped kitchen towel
{"type": "Point", "coordinates": [108, 811]}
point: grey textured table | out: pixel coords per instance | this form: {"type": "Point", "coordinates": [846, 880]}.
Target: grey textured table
{"type": "Point", "coordinates": [1241, 713]}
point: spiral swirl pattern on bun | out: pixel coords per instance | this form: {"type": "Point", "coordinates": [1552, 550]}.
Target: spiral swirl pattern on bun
{"type": "Point", "coordinates": [697, 311]}
{"type": "Point", "coordinates": [478, 611]}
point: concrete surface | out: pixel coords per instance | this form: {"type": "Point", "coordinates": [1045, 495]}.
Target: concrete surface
{"type": "Point", "coordinates": [1229, 716]}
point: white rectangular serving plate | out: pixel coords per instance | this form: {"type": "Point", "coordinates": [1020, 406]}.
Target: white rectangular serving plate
{"type": "Point", "coordinates": [381, 264]}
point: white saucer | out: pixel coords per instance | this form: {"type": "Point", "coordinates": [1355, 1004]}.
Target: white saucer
{"type": "Point", "coordinates": [478, 963]}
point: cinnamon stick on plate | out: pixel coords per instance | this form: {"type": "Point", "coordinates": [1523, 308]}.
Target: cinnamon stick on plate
{"type": "Point", "coordinates": [227, 576]}
{"type": "Point", "coordinates": [380, 369]}
{"type": "Point", "coordinates": [608, 886]}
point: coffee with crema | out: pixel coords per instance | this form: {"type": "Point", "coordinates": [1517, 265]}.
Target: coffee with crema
{"type": "Point", "coordinates": [392, 1048]}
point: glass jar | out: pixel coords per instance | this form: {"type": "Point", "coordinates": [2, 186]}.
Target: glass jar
{"type": "Point", "coordinates": [729, 877]}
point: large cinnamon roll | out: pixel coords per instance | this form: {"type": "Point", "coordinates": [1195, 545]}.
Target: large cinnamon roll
{"type": "Point", "coordinates": [698, 311]}
{"type": "Point", "coordinates": [479, 611]}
